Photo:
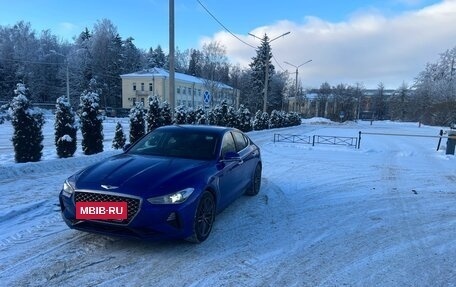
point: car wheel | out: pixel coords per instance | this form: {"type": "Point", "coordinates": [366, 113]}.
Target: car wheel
{"type": "Point", "coordinates": [255, 184]}
{"type": "Point", "coordinates": [204, 218]}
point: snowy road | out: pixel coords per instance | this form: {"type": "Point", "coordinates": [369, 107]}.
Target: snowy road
{"type": "Point", "coordinates": [384, 215]}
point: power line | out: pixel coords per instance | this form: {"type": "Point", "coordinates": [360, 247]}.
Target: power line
{"type": "Point", "coordinates": [224, 27]}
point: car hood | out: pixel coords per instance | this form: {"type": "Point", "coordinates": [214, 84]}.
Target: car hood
{"type": "Point", "coordinates": [139, 175]}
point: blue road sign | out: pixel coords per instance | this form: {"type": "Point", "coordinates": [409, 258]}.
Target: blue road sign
{"type": "Point", "coordinates": [207, 97]}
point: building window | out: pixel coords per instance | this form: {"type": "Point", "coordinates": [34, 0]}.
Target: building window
{"type": "Point", "coordinates": [189, 90]}
{"type": "Point", "coordinates": [134, 86]}
{"type": "Point", "coordinates": [178, 89]}
{"type": "Point", "coordinates": [184, 90]}
{"type": "Point", "coordinates": [150, 87]}
{"type": "Point", "coordinates": [142, 86]}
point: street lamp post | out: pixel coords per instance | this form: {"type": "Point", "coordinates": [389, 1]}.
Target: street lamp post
{"type": "Point", "coordinates": [266, 76]}
{"type": "Point", "coordinates": [297, 70]}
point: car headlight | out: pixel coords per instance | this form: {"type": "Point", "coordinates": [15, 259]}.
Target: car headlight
{"type": "Point", "coordinates": [172, 198]}
{"type": "Point", "coordinates": [68, 188]}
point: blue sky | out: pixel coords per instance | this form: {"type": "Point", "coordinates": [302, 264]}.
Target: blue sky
{"type": "Point", "coordinates": [307, 20]}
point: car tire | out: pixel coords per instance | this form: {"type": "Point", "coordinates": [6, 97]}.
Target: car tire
{"type": "Point", "coordinates": [255, 184]}
{"type": "Point", "coordinates": [204, 218]}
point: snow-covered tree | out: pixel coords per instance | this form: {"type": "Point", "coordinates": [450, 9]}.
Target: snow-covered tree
{"type": "Point", "coordinates": [27, 123]}
{"type": "Point", "coordinates": [91, 120]}
{"type": "Point", "coordinates": [65, 128]}
{"type": "Point", "coordinates": [200, 116]}
{"type": "Point", "coordinates": [232, 119]}
{"type": "Point", "coordinates": [165, 114]}
{"type": "Point", "coordinates": [261, 121]}
{"type": "Point", "coordinates": [137, 122]}
{"type": "Point", "coordinates": [191, 117]}
{"type": "Point", "coordinates": [275, 121]}
{"type": "Point", "coordinates": [244, 119]}
{"type": "Point", "coordinates": [218, 116]}
{"type": "Point", "coordinates": [180, 115]}
{"type": "Point", "coordinates": [258, 73]}
{"type": "Point", "coordinates": [118, 142]}
{"type": "Point", "coordinates": [153, 113]}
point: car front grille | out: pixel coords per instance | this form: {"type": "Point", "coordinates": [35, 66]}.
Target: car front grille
{"type": "Point", "coordinates": [133, 204]}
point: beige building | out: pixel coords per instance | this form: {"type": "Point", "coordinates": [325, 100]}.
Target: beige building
{"type": "Point", "coordinates": [190, 90]}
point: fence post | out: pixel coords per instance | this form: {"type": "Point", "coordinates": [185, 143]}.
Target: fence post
{"type": "Point", "coordinates": [313, 140]}
{"type": "Point", "coordinates": [359, 139]}
{"type": "Point", "coordinates": [275, 137]}
{"type": "Point", "coordinates": [440, 139]}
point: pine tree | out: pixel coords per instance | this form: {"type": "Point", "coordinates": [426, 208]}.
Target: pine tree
{"type": "Point", "coordinates": [257, 122]}
{"type": "Point", "coordinates": [244, 119]}
{"type": "Point", "coordinates": [118, 142]}
{"type": "Point", "coordinates": [232, 119]}
{"type": "Point", "coordinates": [165, 114]}
{"type": "Point", "coordinates": [191, 117]}
{"type": "Point", "coordinates": [258, 74]}
{"type": "Point", "coordinates": [153, 113]}
{"type": "Point", "coordinates": [200, 116]}
{"type": "Point", "coordinates": [180, 115]}
{"type": "Point", "coordinates": [265, 120]}
{"type": "Point", "coordinates": [27, 123]}
{"type": "Point", "coordinates": [275, 120]}
{"type": "Point", "coordinates": [137, 122]}
{"type": "Point", "coordinates": [91, 120]}
{"type": "Point", "coordinates": [65, 129]}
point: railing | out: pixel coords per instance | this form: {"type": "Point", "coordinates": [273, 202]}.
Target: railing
{"type": "Point", "coordinates": [316, 139]}
{"type": "Point", "coordinates": [335, 140]}
{"type": "Point", "coordinates": [292, 138]}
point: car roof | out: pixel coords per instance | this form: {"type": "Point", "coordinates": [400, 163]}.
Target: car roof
{"type": "Point", "coordinates": [199, 128]}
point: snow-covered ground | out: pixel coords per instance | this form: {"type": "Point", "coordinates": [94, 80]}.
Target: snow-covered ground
{"type": "Point", "coordinates": [383, 215]}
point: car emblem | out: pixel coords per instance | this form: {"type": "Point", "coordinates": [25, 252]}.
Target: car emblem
{"type": "Point", "coordinates": [107, 186]}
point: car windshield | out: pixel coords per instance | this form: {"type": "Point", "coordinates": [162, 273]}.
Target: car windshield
{"type": "Point", "coordinates": [180, 143]}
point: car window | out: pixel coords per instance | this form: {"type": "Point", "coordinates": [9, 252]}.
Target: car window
{"type": "Point", "coordinates": [228, 144]}
{"type": "Point", "coordinates": [240, 141]}
{"type": "Point", "coordinates": [177, 143]}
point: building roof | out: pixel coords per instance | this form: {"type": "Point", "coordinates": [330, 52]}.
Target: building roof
{"type": "Point", "coordinates": [160, 72]}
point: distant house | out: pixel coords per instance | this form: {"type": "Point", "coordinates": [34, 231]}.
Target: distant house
{"type": "Point", "coordinates": [190, 90]}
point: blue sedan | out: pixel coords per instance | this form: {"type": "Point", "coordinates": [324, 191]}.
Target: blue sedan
{"type": "Point", "coordinates": [173, 182]}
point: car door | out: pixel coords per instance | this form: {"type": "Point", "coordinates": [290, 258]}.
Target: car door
{"type": "Point", "coordinates": [230, 181]}
{"type": "Point", "coordinates": [248, 156]}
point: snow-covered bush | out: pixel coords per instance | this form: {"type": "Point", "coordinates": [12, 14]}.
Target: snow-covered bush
{"type": "Point", "coordinates": [200, 116]}
{"type": "Point", "coordinates": [137, 122]}
{"type": "Point", "coordinates": [191, 117]}
{"type": "Point", "coordinates": [180, 115]}
{"type": "Point", "coordinates": [276, 120]}
{"type": "Point", "coordinates": [165, 114]}
{"type": "Point", "coordinates": [232, 119]}
{"type": "Point", "coordinates": [118, 142]}
{"type": "Point", "coordinates": [153, 113]}
{"type": "Point", "coordinates": [27, 123]}
{"type": "Point", "coordinates": [65, 128]}
{"type": "Point", "coordinates": [261, 121]}
{"type": "Point", "coordinates": [244, 119]}
{"type": "Point", "coordinates": [294, 119]}
{"type": "Point", "coordinates": [91, 121]}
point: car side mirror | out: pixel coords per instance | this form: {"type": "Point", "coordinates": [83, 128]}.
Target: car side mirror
{"type": "Point", "coordinates": [126, 147]}
{"type": "Point", "coordinates": [231, 156]}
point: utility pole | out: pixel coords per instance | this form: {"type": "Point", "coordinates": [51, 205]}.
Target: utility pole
{"type": "Point", "coordinates": [171, 56]}
{"type": "Point", "coordinates": [266, 64]}
{"type": "Point", "coordinates": [296, 82]}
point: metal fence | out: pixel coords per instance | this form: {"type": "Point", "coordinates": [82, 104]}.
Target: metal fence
{"type": "Point", "coordinates": [317, 139]}
{"type": "Point", "coordinates": [292, 138]}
